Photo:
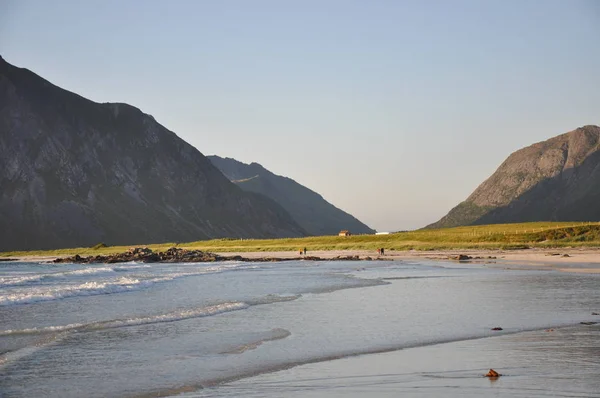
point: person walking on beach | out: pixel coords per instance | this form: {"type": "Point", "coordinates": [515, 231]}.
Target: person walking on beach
{"type": "Point", "coordinates": [305, 251]}
{"type": "Point", "coordinates": [382, 251]}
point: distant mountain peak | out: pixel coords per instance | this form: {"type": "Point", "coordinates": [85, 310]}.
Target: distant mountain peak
{"type": "Point", "coordinates": [308, 208]}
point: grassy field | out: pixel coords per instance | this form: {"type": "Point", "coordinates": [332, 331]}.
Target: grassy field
{"type": "Point", "coordinates": [499, 236]}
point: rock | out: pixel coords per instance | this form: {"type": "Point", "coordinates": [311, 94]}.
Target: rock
{"type": "Point", "coordinates": [312, 258]}
{"type": "Point", "coordinates": [497, 328]}
{"type": "Point", "coordinates": [463, 257]}
{"type": "Point", "coordinates": [588, 323]}
{"type": "Point", "coordinates": [595, 313]}
{"type": "Point", "coordinates": [347, 258]}
{"type": "Point", "coordinates": [179, 255]}
{"type": "Point", "coordinates": [549, 330]}
{"type": "Point", "coordinates": [493, 374]}
{"type": "Point", "coordinates": [565, 255]}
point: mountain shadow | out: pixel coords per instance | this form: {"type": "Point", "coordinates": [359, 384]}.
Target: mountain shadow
{"type": "Point", "coordinates": [574, 195]}
{"type": "Point", "coordinates": [308, 208]}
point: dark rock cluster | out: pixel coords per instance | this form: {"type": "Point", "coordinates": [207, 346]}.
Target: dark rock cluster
{"type": "Point", "coordinates": [465, 257]}
{"type": "Point", "coordinates": [179, 255]}
{"type": "Point", "coordinates": [146, 255]}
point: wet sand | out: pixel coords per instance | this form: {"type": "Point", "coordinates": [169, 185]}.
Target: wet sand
{"type": "Point", "coordinates": [564, 260]}
{"type": "Point", "coordinates": [560, 363]}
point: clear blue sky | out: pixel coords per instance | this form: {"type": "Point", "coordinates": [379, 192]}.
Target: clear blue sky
{"type": "Point", "coordinates": [392, 110]}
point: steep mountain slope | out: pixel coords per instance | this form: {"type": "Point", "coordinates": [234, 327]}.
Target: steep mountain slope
{"type": "Point", "coordinates": [553, 180]}
{"type": "Point", "coordinates": [74, 173]}
{"type": "Point", "coordinates": [308, 208]}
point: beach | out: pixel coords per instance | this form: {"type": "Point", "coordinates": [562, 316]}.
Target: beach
{"type": "Point", "coordinates": [581, 260]}
{"type": "Point", "coordinates": [294, 328]}
{"type": "Point", "coordinates": [560, 363]}
{"type": "Point", "coordinates": [563, 259]}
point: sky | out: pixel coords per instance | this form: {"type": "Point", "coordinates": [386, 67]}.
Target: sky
{"type": "Point", "coordinates": [394, 111]}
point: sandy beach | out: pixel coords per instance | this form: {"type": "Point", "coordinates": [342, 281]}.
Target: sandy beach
{"type": "Point", "coordinates": [579, 260]}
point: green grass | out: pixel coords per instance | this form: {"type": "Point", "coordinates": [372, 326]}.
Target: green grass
{"type": "Point", "coordinates": [498, 236]}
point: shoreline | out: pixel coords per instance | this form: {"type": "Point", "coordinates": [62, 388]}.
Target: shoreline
{"type": "Point", "coordinates": [459, 366]}
{"type": "Point", "coordinates": [577, 260]}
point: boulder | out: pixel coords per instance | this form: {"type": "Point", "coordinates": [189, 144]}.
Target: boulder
{"type": "Point", "coordinates": [463, 257]}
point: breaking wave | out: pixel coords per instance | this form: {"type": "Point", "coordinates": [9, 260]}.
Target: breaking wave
{"type": "Point", "coordinates": [22, 280]}
{"type": "Point", "coordinates": [85, 289]}
{"type": "Point", "coordinates": [33, 292]}
{"type": "Point", "coordinates": [173, 316]}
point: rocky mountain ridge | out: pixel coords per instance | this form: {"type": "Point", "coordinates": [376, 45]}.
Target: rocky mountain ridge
{"type": "Point", "coordinates": [554, 180]}
{"type": "Point", "coordinates": [75, 173]}
{"type": "Point", "coordinates": [309, 209]}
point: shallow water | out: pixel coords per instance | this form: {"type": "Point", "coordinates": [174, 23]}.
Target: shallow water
{"type": "Point", "coordinates": [134, 329]}
{"type": "Point", "coordinates": [561, 363]}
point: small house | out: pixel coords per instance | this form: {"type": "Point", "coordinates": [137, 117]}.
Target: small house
{"type": "Point", "coordinates": [344, 232]}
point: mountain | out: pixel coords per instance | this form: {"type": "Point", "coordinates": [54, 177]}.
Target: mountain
{"type": "Point", "coordinates": [308, 208]}
{"type": "Point", "coordinates": [75, 173]}
{"type": "Point", "coordinates": [553, 180]}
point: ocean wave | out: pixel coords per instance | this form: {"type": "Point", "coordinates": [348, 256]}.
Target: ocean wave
{"type": "Point", "coordinates": [177, 315]}
{"type": "Point", "coordinates": [91, 288]}
{"type": "Point", "coordinates": [56, 292]}
{"type": "Point", "coordinates": [41, 293]}
{"type": "Point", "coordinates": [20, 353]}
{"type": "Point", "coordinates": [7, 281]}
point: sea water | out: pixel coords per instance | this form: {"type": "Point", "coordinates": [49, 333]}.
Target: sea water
{"type": "Point", "coordinates": [196, 329]}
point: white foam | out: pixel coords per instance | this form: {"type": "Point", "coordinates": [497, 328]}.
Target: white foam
{"type": "Point", "coordinates": [27, 279]}
{"type": "Point", "coordinates": [33, 295]}
{"type": "Point", "coordinates": [173, 316]}
{"type": "Point", "coordinates": [33, 292]}
{"type": "Point", "coordinates": [47, 329]}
